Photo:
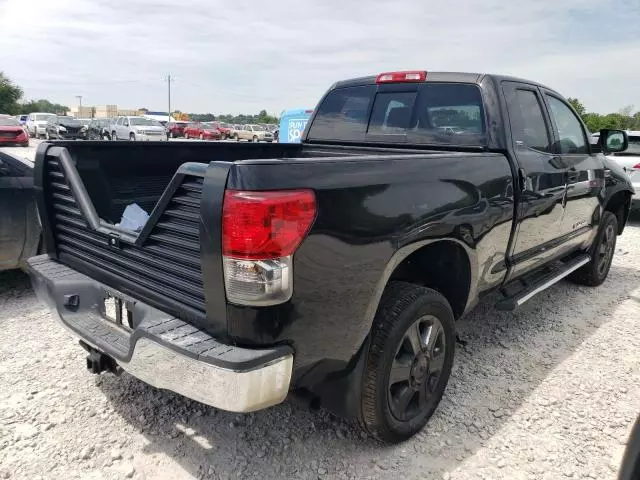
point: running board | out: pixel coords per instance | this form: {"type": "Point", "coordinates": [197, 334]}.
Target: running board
{"type": "Point", "coordinates": [515, 301]}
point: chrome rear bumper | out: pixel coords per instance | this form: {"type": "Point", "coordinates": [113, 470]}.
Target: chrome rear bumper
{"type": "Point", "coordinates": [163, 350]}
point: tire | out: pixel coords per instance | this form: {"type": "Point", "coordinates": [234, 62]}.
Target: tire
{"type": "Point", "coordinates": [132, 137]}
{"type": "Point", "coordinates": [237, 137]}
{"type": "Point", "coordinates": [595, 272]}
{"type": "Point", "coordinates": [46, 135]}
{"type": "Point", "coordinates": [408, 317]}
{"type": "Point", "coordinates": [186, 136]}
{"type": "Point", "coordinates": [254, 139]}
{"type": "Point", "coordinates": [114, 136]}
{"type": "Point", "coordinates": [105, 137]}
{"type": "Point", "coordinates": [26, 144]}
{"type": "Point", "coordinates": [201, 137]}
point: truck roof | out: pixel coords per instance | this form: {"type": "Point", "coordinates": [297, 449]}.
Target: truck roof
{"type": "Point", "coordinates": [446, 77]}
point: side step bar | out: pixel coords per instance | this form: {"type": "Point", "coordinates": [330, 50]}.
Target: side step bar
{"type": "Point", "coordinates": [515, 301]}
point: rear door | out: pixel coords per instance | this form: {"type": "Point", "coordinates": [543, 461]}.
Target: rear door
{"type": "Point", "coordinates": [540, 211]}
{"type": "Point", "coordinates": [584, 170]}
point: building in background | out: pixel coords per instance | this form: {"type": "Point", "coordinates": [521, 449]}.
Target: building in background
{"type": "Point", "coordinates": [82, 112]}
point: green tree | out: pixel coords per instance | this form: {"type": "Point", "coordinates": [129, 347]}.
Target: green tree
{"type": "Point", "coordinates": [577, 106]}
{"type": "Point", "coordinates": [10, 95]}
{"type": "Point", "coordinates": [44, 106]}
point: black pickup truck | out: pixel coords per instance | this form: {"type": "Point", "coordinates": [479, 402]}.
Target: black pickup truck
{"type": "Point", "coordinates": [335, 268]}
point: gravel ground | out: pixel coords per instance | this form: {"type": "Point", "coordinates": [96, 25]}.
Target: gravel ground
{"type": "Point", "coordinates": [549, 392]}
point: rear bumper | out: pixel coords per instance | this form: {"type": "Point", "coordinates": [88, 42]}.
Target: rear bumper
{"type": "Point", "coordinates": [163, 350]}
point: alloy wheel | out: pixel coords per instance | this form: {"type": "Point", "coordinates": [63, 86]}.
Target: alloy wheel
{"type": "Point", "coordinates": [416, 368]}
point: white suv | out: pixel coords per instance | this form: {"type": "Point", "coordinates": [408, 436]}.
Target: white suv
{"type": "Point", "coordinates": [37, 123]}
{"type": "Point", "coordinates": [629, 160]}
{"type": "Point", "coordinates": [138, 128]}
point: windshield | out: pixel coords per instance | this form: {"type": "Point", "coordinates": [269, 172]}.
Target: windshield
{"type": "Point", "coordinates": [43, 116]}
{"type": "Point", "coordinates": [258, 128]}
{"type": "Point", "coordinates": [430, 113]}
{"type": "Point", "coordinates": [9, 122]}
{"type": "Point", "coordinates": [147, 122]}
{"type": "Point", "coordinates": [69, 121]}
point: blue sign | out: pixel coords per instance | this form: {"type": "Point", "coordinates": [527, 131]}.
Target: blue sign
{"type": "Point", "coordinates": [292, 124]}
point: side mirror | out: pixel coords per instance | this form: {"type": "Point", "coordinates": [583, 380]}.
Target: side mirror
{"type": "Point", "coordinates": [613, 141]}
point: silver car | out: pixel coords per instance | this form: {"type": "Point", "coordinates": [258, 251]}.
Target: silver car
{"type": "Point", "coordinates": [138, 129]}
{"type": "Point", "coordinates": [37, 123]}
{"type": "Point", "coordinates": [254, 133]}
{"type": "Point", "coordinates": [629, 160]}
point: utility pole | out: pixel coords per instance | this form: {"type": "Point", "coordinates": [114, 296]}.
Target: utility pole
{"type": "Point", "coordinates": [79, 97]}
{"type": "Point", "coordinates": [169, 85]}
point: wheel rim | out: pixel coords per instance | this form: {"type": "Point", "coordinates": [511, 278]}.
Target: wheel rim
{"type": "Point", "coordinates": [416, 369]}
{"type": "Point", "coordinates": [201, 136]}
{"type": "Point", "coordinates": [605, 250]}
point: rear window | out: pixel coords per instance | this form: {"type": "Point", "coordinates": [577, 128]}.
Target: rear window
{"type": "Point", "coordinates": [432, 113]}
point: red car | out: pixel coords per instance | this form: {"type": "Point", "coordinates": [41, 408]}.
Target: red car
{"type": "Point", "coordinates": [224, 129]}
{"type": "Point", "coordinates": [176, 129]}
{"type": "Point", "coordinates": [11, 132]}
{"type": "Point", "coordinates": [203, 131]}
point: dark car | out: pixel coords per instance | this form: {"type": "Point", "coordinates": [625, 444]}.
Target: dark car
{"type": "Point", "coordinates": [630, 468]}
{"type": "Point", "coordinates": [99, 129]}
{"type": "Point", "coordinates": [19, 222]}
{"type": "Point", "coordinates": [12, 133]}
{"type": "Point", "coordinates": [176, 129]}
{"type": "Point", "coordinates": [336, 267]}
{"type": "Point", "coordinates": [62, 127]}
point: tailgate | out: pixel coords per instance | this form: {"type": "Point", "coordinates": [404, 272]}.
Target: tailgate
{"type": "Point", "coordinates": [81, 201]}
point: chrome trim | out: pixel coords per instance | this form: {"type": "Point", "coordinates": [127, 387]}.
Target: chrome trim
{"type": "Point", "coordinates": [247, 391]}
{"type": "Point", "coordinates": [552, 280]}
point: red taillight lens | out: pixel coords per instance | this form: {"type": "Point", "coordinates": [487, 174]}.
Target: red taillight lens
{"type": "Point", "coordinates": [637, 166]}
{"type": "Point", "coordinates": [265, 225]}
{"type": "Point", "coordinates": [394, 77]}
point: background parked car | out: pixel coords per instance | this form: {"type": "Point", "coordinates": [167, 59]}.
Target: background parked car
{"type": "Point", "coordinates": [225, 129]}
{"type": "Point", "coordinates": [138, 128]}
{"type": "Point", "coordinates": [99, 129]}
{"type": "Point", "coordinates": [19, 222]}
{"type": "Point", "coordinates": [629, 160]}
{"type": "Point", "coordinates": [61, 127]}
{"type": "Point", "coordinates": [12, 133]}
{"type": "Point", "coordinates": [22, 119]}
{"type": "Point", "coordinates": [203, 131]}
{"type": "Point", "coordinates": [176, 129]}
{"type": "Point", "coordinates": [254, 133]}
{"type": "Point", "coordinates": [37, 123]}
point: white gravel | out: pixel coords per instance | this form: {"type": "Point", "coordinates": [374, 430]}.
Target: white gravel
{"type": "Point", "coordinates": [549, 392]}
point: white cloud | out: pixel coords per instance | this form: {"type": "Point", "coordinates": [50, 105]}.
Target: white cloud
{"type": "Point", "coordinates": [242, 57]}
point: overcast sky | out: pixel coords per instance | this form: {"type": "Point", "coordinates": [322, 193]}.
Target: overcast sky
{"type": "Point", "coordinates": [240, 57]}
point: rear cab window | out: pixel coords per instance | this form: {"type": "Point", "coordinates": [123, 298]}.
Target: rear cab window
{"type": "Point", "coordinates": [435, 113]}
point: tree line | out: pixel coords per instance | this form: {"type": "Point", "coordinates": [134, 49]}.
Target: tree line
{"type": "Point", "coordinates": [624, 119]}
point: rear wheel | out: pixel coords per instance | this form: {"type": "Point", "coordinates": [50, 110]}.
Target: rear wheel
{"type": "Point", "coordinates": [237, 137]}
{"type": "Point", "coordinates": [132, 137]}
{"type": "Point", "coordinates": [114, 137]}
{"type": "Point", "coordinates": [595, 272]}
{"type": "Point", "coordinates": [409, 361]}
{"type": "Point", "coordinates": [186, 136]}
{"type": "Point", "coordinates": [255, 139]}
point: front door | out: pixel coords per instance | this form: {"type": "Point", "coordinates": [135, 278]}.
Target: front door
{"type": "Point", "coordinates": [538, 235]}
{"type": "Point", "coordinates": [585, 172]}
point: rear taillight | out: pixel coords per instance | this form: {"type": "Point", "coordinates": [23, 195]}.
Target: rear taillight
{"type": "Point", "coordinates": [636, 166]}
{"type": "Point", "coordinates": [400, 77]}
{"type": "Point", "coordinates": [260, 233]}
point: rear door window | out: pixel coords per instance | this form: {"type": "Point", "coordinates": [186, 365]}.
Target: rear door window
{"type": "Point", "coordinates": [528, 126]}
